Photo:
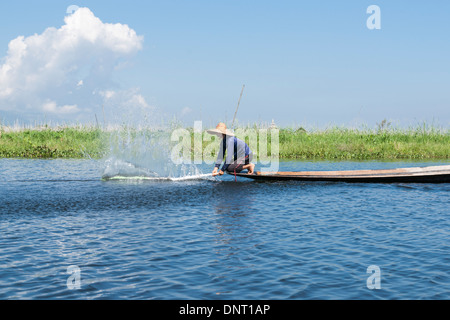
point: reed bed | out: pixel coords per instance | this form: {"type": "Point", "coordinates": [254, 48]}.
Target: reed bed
{"type": "Point", "coordinates": [355, 144]}
{"type": "Point", "coordinates": [45, 142]}
{"type": "Point", "coordinates": [421, 143]}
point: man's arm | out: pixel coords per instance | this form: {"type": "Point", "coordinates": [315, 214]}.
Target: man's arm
{"type": "Point", "coordinates": [220, 156]}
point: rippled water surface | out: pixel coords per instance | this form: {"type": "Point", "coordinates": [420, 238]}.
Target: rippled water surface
{"type": "Point", "coordinates": [219, 239]}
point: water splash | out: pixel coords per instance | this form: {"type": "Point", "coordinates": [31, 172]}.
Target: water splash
{"type": "Point", "coordinates": [145, 154]}
{"type": "Point", "coordinates": [117, 167]}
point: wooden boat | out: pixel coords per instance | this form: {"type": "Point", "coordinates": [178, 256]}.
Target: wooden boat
{"type": "Point", "coordinates": [435, 174]}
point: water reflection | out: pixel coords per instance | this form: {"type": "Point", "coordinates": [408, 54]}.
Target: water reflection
{"type": "Point", "coordinates": [234, 210]}
{"type": "Point", "coordinates": [237, 235]}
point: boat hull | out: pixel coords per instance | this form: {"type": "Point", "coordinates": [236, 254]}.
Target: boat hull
{"type": "Point", "coordinates": [435, 174]}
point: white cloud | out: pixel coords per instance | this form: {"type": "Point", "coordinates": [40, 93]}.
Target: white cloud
{"type": "Point", "coordinates": [139, 101]}
{"type": "Point", "coordinates": [40, 73]}
{"type": "Point", "coordinates": [186, 111]}
{"type": "Point", "coordinates": [108, 94]}
{"type": "Point", "coordinates": [50, 106]}
{"type": "Point", "coordinates": [127, 105]}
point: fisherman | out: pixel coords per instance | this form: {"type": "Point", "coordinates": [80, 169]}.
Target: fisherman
{"type": "Point", "coordinates": [239, 155]}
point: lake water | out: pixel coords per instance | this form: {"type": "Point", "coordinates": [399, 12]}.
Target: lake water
{"type": "Point", "coordinates": [219, 239]}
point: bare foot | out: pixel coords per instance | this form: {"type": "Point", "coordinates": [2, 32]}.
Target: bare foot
{"type": "Point", "coordinates": [251, 169]}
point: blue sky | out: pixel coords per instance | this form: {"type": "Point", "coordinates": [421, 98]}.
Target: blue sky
{"type": "Point", "coordinates": [310, 63]}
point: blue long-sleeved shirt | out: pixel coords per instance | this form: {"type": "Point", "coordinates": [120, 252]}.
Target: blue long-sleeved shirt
{"type": "Point", "coordinates": [237, 151]}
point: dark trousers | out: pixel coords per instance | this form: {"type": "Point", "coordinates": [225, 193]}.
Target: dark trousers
{"type": "Point", "coordinates": [238, 164]}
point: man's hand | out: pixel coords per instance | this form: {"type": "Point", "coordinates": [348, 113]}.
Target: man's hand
{"type": "Point", "coordinates": [216, 172]}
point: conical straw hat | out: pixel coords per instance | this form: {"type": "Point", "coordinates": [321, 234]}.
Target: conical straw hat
{"type": "Point", "coordinates": [221, 129]}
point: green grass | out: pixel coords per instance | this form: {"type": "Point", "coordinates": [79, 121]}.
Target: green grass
{"type": "Point", "coordinates": [52, 143]}
{"type": "Point", "coordinates": [352, 144]}
{"type": "Point", "coordinates": [419, 143]}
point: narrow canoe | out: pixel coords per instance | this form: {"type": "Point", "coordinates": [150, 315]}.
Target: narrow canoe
{"type": "Point", "coordinates": [435, 174]}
